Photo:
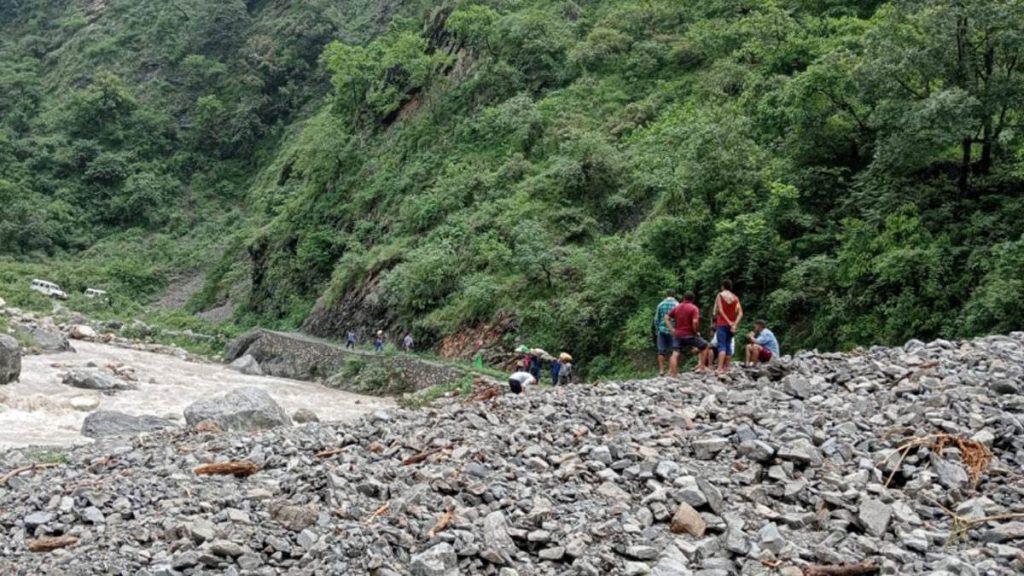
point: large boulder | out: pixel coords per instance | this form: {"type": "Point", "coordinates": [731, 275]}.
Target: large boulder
{"type": "Point", "coordinates": [82, 332]}
{"type": "Point", "coordinates": [247, 408]}
{"type": "Point", "coordinates": [92, 379]}
{"type": "Point", "coordinates": [109, 423]}
{"type": "Point", "coordinates": [43, 338]}
{"type": "Point", "coordinates": [247, 365]}
{"type": "Point", "coordinates": [10, 360]}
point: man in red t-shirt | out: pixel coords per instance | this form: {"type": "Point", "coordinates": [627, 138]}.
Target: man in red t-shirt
{"type": "Point", "coordinates": [684, 320]}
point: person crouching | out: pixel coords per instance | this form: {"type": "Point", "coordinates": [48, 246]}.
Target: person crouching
{"type": "Point", "coordinates": [520, 380]}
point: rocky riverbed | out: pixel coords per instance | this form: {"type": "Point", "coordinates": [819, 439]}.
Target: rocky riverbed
{"type": "Point", "coordinates": [899, 461]}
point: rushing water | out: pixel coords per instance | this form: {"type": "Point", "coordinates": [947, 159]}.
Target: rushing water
{"type": "Point", "coordinates": [41, 411]}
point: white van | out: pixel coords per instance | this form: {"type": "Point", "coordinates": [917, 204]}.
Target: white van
{"type": "Point", "coordinates": [48, 289]}
{"type": "Point", "coordinates": [95, 293]}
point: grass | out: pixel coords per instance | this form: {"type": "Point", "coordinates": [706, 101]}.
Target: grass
{"type": "Point", "coordinates": [428, 396]}
{"type": "Point", "coordinates": [47, 457]}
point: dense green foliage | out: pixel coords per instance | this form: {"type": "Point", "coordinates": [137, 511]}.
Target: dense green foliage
{"type": "Point", "coordinates": [854, 167]}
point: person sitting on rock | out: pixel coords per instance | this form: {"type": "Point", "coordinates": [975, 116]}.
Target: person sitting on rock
{"type": "Point", "coordinates": [762, 345]}
{"type": "Point", "coordinates": [520, 380]}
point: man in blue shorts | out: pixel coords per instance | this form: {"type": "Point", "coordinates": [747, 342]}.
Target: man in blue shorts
{"type": "Point", "coordinates": [663, 333]}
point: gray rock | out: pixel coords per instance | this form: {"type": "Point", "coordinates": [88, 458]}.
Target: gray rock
{"type": "Point", "coordinates": [554, 554]}
{"type": "Point", "coordinates": [43, 338]}
{"type": "Point", "coordinates": [294, 518]}
{"type": "Point", "coordinates": [10, 359]}
{"type": "Point", "coordinates": [37, 519]}
{"type": "Point", "coordinates": [498, 545]}
{"type": "Point", "coordinates": [755, 450]}
{"type": "Point", "coordinates": [241, 409]}
{"type": "Point", "coordinates": [800, 450]}
{"type": "Point", "coordinates": [93, 515]}
{"type": "Point", "coordinates": [875, 515]}
{"type": "Point", "coordinates": [304, 416]}
{"type": "Point", "coordinates": [108, 423]}
{"type": "Point", "coordinates": [227, 548]}
{"type": "Point", "coordinates": [439, 560]}
{"type": "Point", "coordinates": [671, 563]}
{"type": "Point", "coordinates": [769, 538]}
{"type": "Point", "coordinates": [707, 448]}
{"type": "Point", "coordinates": [249, 561]}
{"type": "Point", "coordinates": [247, 365]}
{"type": "Point", "coordinates": [93, 379]}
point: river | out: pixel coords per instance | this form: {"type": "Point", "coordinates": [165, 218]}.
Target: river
{"type": "Point", "coordinates": [40, 410]}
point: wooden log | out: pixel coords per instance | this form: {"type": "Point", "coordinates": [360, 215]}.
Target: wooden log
{"type": "Point", "coordinates": [48, 543]}
{"type": "Point", "coordinates": [16, 471]}
{"type": "Point", "coordinates": [236, 467]}
{"type": "Point", "coordinates": [417, 458]}
{"type": "Point", "coordinates": [863, 569]}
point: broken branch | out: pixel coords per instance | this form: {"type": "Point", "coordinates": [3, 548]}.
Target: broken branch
{"type": "Point", "coordinates": [48, 543]}
{"type": "Point", "coordinates": [16, 471]}
{"type": "Point", "coordinates": [237, 468]}
{"type": "Point", "coordinates": [864, 569]}
{"type": "Point", "coordinates": [378, 513]}
{"type": "Point", "coordinates": [417, 458]}
{"type": "Point", "coordinates": [442, 522]}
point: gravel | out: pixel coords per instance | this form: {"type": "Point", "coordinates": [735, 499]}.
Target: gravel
{"type": "Point", "coordinates": [822, 459]}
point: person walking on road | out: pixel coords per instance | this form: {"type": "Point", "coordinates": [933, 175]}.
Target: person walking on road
{"type": "Point", "coordinates": [663, 334]}
{"type": "Point", "coordinates": [407, 342]}
{"type": "Point", "coordinates": [727, 314]}
{"type": "Point", "coordinates": [378, 342]}
{"type": "Point", "coordinates": [350, 340]}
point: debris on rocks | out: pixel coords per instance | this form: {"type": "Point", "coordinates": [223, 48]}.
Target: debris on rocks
{"type": "Point", "coordinates": [234, 468]}
{"type": "Point", "coordinates": [50, 543]}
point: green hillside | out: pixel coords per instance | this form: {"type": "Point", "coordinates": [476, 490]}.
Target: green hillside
{"type": "Point", "coordinates": [536, 169]}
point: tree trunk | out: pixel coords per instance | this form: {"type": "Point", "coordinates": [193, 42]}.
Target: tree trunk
{"type": "Point", "coordinates": [965, 167]}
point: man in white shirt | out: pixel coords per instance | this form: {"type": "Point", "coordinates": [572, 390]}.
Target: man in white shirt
{"type": "Point", "coordinates": [519, 380]}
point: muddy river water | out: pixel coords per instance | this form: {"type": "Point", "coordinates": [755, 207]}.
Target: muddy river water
{"type": "Point", "coordinates": [41, 411]}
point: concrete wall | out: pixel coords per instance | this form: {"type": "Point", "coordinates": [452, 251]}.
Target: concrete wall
{"type": "Point", "coordinates": [302, 357]}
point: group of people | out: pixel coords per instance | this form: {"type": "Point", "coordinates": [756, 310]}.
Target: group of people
{"type": "Point", "coordinates": [378, 341]}
{"type": "Point", "coordinates": [530, 367]}
{"type": "Point", "coordinates": [678, 331]}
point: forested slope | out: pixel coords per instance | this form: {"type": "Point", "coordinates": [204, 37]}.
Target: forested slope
{"type": "Point", "coordinates": [543, 169]}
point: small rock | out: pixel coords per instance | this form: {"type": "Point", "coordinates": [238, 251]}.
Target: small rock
{"type": "Point", "coordinates": [686, 520]}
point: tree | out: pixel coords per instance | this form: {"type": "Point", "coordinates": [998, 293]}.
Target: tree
{"type": "Point", "coordinates": [955, 63]}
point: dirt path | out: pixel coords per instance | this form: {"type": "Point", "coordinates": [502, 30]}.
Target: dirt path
{"type": "Point", "coordinates": [39, 411]}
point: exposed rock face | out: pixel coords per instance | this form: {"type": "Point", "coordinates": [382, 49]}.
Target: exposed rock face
{"type": "Point", "coordinates": [93, 379]}
{"type": "Point", "coordinates": [43, 338]}
{"type": "Point", "coordinates": [109, 423]}
{"type": "Point", "coordinates": [242, 409]}
{"type": "Point", "coordinates": [616, 478]}
{"type": "Point", "coordinates": [10, 359]}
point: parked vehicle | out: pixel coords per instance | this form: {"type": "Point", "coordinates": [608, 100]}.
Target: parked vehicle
{"type": "Point", "coordinates": [47, 288]}
{"type": "Point", "coordinates": [95, 293]}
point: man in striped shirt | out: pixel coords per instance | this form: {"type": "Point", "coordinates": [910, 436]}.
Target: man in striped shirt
{"type": "Point", "coordinates": [663, 333]}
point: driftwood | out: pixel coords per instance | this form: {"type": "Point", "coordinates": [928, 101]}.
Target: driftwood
{"type": "Point", "coordinates": [378, 513]}
{"type": "Point", "coordinates": [237, 468]}
{"type": "Point", "coordinates": [329, 453]}
{"type": "Point", "coordinates": [48, 543]}
{"type": "Point", "coordinates": [16, 471]}
{"type": "Point", "coordinates": [864, 569]}
{"type": "Point", "coordinates": [417, 458]}
{"type": "Point", "coordinates": [442, 522]}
